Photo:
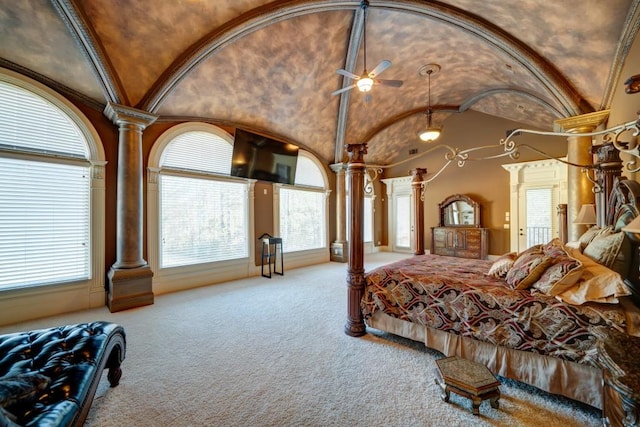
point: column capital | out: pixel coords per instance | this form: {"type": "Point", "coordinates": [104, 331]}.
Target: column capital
{"type": "Point", "coordinates": [417, 174]}
{"type": "Point", "coordinates": [582, 123]}
{"type": "Point", "coordinates": [123, 115]}
{"type": "Point", "coordinates": [338, 167]}
{"type": "Point", "coordinates": [356, 152]}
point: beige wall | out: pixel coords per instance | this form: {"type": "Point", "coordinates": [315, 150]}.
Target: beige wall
{"type": "Point", "coordinates": [485, 180]}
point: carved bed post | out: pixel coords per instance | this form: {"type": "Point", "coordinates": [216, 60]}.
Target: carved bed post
{"type": "Point", "coordinates": [355, 275]}
{"type": "Point", "coordinates": [418, 217]}
{"type": "Point", "coordinates": [609, 169]}
{"type": "Point", "coordinates": [562, 223]}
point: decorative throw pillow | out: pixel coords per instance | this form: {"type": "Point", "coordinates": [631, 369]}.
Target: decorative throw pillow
{"type": "Point", "coordinates": [527, 269]}
{"type": "Point", "coordinates": [604, 247]}
{"type": "Point", "coordinates": [21, 388]}
{"type": "Point", "coordinates": [501, 266]}
{"type": "Point", "coordinates": [535, 249]}
{"type": "Point", "coordinates": [588, 236]}
{"type": "Point", "coordinates": [562, 274]}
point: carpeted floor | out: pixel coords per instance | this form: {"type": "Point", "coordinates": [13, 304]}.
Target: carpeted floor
{"type": "Point", "coordinates": [273, 352]}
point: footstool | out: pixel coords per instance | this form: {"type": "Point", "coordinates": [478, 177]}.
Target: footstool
{"type": "Point", "coordinates": [467, 379]}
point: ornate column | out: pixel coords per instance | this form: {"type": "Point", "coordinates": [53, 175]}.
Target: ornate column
{"type": "Point", "coordinates": [418, 206]}
{"type": "Point", "coordinates": [340, 247]}
{"type": "Point", "coordinates": [355, 274]}
{"type": "Point", "coordinates": [130, 283]}
{"type": "Point", "coordinates": [579, 152]}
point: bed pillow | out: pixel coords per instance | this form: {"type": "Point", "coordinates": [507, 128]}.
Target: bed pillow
{"type": "Point", "coordinates": [605, 246]}
{"type": "Point", "coordinates": [502, 264]}
{"type": "Point", "coordinates": [597, 283]}
{"type": "Point", "coordinates": [562, 274]}
{"type": "Point", "coordinates": [527, 269]}
{"type": "Point", "coordinates": [588, 236]}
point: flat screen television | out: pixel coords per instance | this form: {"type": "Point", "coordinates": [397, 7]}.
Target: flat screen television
{"type": "Point", "coordinates": [258, 157]}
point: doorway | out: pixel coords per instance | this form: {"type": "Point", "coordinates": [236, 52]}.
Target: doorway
{"type": "Point", "coordinates": [536, 189]}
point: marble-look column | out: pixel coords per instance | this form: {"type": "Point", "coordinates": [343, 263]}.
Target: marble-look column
{"type": "Point", "coordinates": [355, 275]}
{"type": "Point", "coordinates": [130, 278]}
{"type": "Point", "coordinates": [418, 206]}
{"type": "Point", "coordinates": [339, 248]}
{"type": "Point", "coordinates": [579, 152]}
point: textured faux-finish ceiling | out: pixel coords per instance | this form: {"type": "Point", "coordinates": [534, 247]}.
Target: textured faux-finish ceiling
{"type": "Point", "coordinates": [270, 66]}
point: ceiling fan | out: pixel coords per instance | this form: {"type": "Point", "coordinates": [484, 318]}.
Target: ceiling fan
{"type": "Point", "coordinates": [365, 82]}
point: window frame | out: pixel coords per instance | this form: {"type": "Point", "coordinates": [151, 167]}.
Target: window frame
{"type": "Point", "coordinates": [49, 299]}
{"type": "Point", "coordinates": [169, 279]}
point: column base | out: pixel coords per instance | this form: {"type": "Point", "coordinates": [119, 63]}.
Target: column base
{"type": "Point", "coordinates": [129, 288]}
{"type": "Point", "coordinates": [355, 328]}
{"type": "Point", "coordinates": [339, 251]}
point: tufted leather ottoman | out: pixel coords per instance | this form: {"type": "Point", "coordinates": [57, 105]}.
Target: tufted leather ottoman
{"type": "Point", "coordinates": [70, 360]}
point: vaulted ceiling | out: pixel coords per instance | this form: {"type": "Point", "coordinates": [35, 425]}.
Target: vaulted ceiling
{"type": "Point", "coordinates": [270, 66]}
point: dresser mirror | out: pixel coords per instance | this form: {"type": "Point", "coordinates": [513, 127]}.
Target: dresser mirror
{"type": "Point", "coordinates": [459, 210]}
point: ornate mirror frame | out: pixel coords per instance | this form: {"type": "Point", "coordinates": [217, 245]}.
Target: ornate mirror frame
{"type": "Point", "coordinates": [474, 209]}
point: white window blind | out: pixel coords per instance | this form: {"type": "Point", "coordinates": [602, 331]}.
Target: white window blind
{"type": "Point", "coordinates": [44, 223]}
{"type": "Point", "coordinates": [307, 173]}
{"type": "Point", "coordinates": [31, 123]}
{"type": "Point", "coordinates": [302, 219]}
{"type": "Point", "coordinates": [202, 218]}
{"type": "Point", "coordinates": [200, 151]}
{"type": "Point", "coordinates": [44, 203]}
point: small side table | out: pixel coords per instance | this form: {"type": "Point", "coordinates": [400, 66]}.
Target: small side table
{"type": "Point", "coordinates": [467, 379]}
{"type": "Point", "coordinates": [270, 247]}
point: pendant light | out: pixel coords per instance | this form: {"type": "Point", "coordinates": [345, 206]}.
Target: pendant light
{"type": "Point", "coordinates": [431, 133]}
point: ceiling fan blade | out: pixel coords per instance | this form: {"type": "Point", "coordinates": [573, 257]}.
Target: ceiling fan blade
{"type": "Point", "coordinates": [347, 74]}
{"type": "Point", "coordinates": [392, 83]}
{"type": "Point", "coordinates": [344, 89]}
{"type": "Point", "coordinates": [380, 68]}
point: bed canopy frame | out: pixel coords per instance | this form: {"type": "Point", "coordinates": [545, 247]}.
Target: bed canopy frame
{"type": "Point", "coordinates": [604, 174]}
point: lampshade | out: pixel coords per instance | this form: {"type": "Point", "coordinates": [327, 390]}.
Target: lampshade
{"type": "Point", "coordinates": [364, 84]}
{"type": "Point", "coordinates": [587, 215]}
{"type": "Point", "coordinates": [633, 226]}
{"type": "Point", "coordinates": [430, 134]}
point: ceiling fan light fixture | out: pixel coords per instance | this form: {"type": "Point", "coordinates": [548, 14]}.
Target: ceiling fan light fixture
{"type": "Point", "coordinates": [364, 84]}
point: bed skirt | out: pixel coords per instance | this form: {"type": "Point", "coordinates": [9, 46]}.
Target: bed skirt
{"type": "Point", "coordinates": [557, 376]}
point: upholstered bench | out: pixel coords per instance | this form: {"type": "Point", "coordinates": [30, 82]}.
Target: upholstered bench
{"type": "Point", "coordinates": [49, 377]}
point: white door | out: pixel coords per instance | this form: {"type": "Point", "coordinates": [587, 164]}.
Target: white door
{"type": "Point", "coordinates": [537, 218]}
{"type": "Point", "coordinates": [402, 223]}
{"type": "Point", "coordinates": [367, 231]}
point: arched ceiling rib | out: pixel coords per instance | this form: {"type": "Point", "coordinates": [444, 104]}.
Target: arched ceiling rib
{"type": "Point", "coordinates": [270, 65]}
{"type": "Point", "coordinates": [546, 74]}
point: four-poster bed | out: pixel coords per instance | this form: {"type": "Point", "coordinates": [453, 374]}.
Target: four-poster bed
{"type": "Point", "coordinates": [456, 308]}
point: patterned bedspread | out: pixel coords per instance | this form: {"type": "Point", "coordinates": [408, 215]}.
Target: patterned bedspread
{"type": "Point", "coordinates": [454, 295]}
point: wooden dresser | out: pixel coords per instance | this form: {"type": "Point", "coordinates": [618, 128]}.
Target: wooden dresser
{"type": "Point", "coordinates": [618, 357]}
{"type": "Point", "coordinates": [463, 242]}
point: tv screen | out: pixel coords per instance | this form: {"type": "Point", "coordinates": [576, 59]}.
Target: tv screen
{"type": "Point", "coordinates": [258, 157]}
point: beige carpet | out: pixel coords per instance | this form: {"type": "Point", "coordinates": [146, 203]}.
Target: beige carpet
{"type": "Point", "coordinates": [272, 352]}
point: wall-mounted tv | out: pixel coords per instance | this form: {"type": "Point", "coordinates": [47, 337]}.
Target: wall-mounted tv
{"type": "Point", "coordinates": [258, 157]}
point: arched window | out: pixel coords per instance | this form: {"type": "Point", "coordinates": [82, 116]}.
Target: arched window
{"type": "Point", "coordinates": [303, 208]}
{"type": "Point", "coordinates": [198, 214]}
{"type": "Point", "coordinates": [51, 194]}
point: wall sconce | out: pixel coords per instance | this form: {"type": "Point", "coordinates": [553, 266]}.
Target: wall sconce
{"type": "Point", "coordinates": [587, 215]}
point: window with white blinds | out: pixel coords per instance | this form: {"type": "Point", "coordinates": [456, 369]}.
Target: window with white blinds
{"type": "Point", "coordinates": [302, 219]}
{"type": "Point", "coordinates": [44, 200]}
{"type": "Point", "coordinates": [203, 217]}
